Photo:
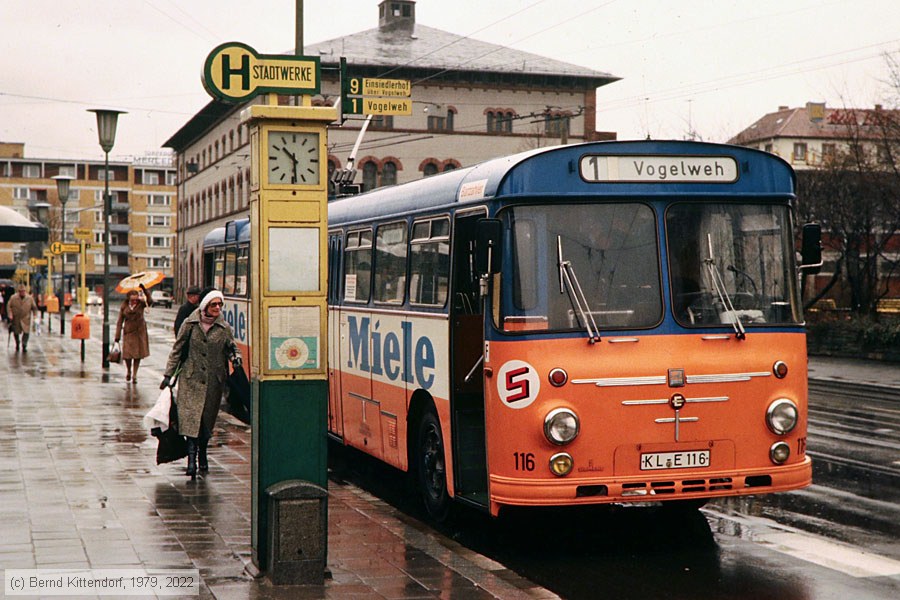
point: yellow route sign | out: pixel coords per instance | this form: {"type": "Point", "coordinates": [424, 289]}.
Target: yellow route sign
{"type": "Point", "coordinates": [37, 262]}
{"type": "Point", "coordinates": [82, 233]}
{"type": "Point", "coordinates": [61, 248]}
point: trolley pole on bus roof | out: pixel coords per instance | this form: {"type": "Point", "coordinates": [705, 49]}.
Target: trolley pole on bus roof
{"type": "Point", "coordinates": [288, 361]}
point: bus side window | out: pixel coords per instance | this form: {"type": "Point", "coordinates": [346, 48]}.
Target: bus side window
{"type": "Point", "coordinates": [390, 263]}
{"type": "Point", "coordinates": [358, 266]}
{"type": "Point", "coordinates": [429, 276]}
{"type": "Point", "coordinates": [241, 273]}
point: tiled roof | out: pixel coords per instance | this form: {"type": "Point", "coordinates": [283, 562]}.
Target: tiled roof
{"type": "Point", "coordinates": [430, 49]}
{"type": "Point", "coordinates": [835, 123]}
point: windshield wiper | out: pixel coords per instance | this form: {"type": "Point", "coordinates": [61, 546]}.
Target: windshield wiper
{"type": "Point", "coordinates": [568, 282]}
{"type": "Point", "coordinates": [719, 285]}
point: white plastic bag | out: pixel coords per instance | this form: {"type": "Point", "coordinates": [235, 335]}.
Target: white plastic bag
{"type": "Point", "coordinates": [158, 416]}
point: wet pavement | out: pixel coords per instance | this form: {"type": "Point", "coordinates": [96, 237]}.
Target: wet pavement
{"type": "Point", "coordinates": [79, 489]}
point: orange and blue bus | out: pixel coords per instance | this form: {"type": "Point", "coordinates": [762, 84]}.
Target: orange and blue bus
{"type": "Point", "coordinates": [608, 322]}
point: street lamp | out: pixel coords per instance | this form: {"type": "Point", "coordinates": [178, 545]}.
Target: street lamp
{"type": "Point", "coordinates": [63, 182]}
{"type": "Point", "coordinates": [106, 131]}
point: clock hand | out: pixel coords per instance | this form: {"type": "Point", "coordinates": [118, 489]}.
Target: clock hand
{"type": "Point", "coordinates": [294, 163]}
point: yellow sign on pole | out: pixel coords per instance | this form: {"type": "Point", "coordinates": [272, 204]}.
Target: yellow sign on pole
{"type": "Point", "coordinates": [82, 233]}
{"type": "Point", "coordinates": [234, 72]}
{"type": "Point", "coordinates": [61, 248]}
{"type": "Point", "coordinates": [37, 262]}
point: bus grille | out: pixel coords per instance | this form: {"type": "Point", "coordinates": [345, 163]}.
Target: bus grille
{"type": "Point", "coordinates": [685, 486]}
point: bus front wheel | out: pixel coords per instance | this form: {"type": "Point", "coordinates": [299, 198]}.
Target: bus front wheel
{"type": "Point", "coordinates": [431, 469]}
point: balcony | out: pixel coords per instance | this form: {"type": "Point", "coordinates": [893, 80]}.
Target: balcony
{"type": "Point", "coordinates": [119, 249]}
{"type": "Point", "coordinates": [119, 270]}
{"type": "Point", "coordinates": [119, 227]}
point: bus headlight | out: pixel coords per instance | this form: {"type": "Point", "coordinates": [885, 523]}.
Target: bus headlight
{"type": "Point", "coordinates": [779, 452]}
{"type": "Point", "coordinates": [561, 464]}
{"type": "Point", "coordinates": [781, 417]}
{"type": "Point", "coordinates": [561, 426]}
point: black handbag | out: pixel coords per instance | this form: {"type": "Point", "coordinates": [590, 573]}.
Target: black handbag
{"type": "Point", "coordinates": [171, 445]}
{"type": "Point", "coordinates": [239, 395]}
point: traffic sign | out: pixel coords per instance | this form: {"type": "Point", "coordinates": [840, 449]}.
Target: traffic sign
{"type": "Point", "coordinates": [37, 262]}
{"type": "Point", "coordinates": [61, 248]}
{"type": "Point", "coordinates": [379, 106]}
{"type": "Point", "coordinates": [366, 86]}
{"type": "Point", "coordinates": [82, 233]}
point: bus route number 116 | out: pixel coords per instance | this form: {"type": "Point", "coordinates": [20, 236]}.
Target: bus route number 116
{"type": "Point", "coordinates": [524, 461]}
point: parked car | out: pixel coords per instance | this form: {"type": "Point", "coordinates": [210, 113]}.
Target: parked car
{"type": "Point", "coordinates": [162, 297]}
{"type": "Point", "coordinates": [94, 299]}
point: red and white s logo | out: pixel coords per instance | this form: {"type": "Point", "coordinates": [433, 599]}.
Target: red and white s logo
{"type": "Point", "coordinates": [518, 384]}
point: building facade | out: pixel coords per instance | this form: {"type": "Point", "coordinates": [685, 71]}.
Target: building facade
{"type": "Point", "coordinates": [142, 217]}
{"type": "Point", "coordinates": [471, 101]}
{"type": "Point", "coordinates": [848, 155]}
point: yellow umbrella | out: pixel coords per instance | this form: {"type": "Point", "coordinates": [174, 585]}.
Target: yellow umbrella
{"type": "Point", "coordinates": [133, 282]}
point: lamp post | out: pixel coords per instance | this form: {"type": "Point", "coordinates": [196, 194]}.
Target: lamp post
{"type": "Point", "coordinates": [106, 131]}
{"type": "Point", "coordinates": [63, 182]}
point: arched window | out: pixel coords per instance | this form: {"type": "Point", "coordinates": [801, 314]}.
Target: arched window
{"type": "Point", "coordinates": [449, 167]}
{"type": "Point", "coordinates": [389, 173]}
{"type": "Point", "coordinates": [370, 176]}
{"type": "Point", "coordinates": [430, 169]}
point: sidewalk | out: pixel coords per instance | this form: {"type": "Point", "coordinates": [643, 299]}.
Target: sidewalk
{"type": "Point", "coordinates": [79, 488]}
{"type": "Point", "coordinates": [884, 375]}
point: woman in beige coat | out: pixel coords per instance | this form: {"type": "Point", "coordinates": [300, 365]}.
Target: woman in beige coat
{"type": "Point", "coordinates": [131, 328]}
{"type": "Point", "coordinates": [204, 345]}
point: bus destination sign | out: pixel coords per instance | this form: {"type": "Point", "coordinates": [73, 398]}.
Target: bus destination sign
{"type": "Point", "coordinates": [234, 72]}
{"type": "Point", "coordinates": [649, 168]}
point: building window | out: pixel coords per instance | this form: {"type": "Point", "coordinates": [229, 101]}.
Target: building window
{"type": "Point", "coordinates": [441, 122]}
{"type": "Point", "coordinates": [556, 125]}
{"type": "Point", "coordinates": [382, 122]}
{"type": "Point", "coordinates": [828, 151]}
{"type": "Point", "coordinates": [430, 169]}
{"type": "Point", "coordinates": [158, 200]}
{"type": "Point", "coordinates": [104, 175]}
{"type": "Point", "coordinates": [800, 152]}
{"type": "Point", "coordinates": [31, 171]}
{"type": "Point", "coordinates": [389, 173]}
{"type": "Point", "coordinates": [20, 193]}
{"type": "Point", "coordinates": [150, 178]}
{"type": "Point", "coordinates": [449, 167]}
{"type": "Point", "coordinates": [67, 170]}
{"type": "Point", "coordinates": [170, 177]}
{"type": "Point", "coordinates": [160, 262]}
{"type": "Point", "coordinates": [158, 220]}
{"type": "Point", "coordinates": [370, 176]}
{"type": "Point", "coordinates": [500, 121]}
{"type": "Point", "coordinates": [158, 241]}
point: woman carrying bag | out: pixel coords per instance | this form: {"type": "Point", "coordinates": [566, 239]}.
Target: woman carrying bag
{"type": "Point", "coordinates": [204, 345]}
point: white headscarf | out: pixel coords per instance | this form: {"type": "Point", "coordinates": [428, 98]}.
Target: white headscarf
{"type": "Point", "coordinates": [209, 298]}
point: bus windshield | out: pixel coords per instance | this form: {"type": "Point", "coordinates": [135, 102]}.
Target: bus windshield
{"type": "Point", "coordinates": [611, 253]}
{"type": "Point", "coordinates": [731, 264]}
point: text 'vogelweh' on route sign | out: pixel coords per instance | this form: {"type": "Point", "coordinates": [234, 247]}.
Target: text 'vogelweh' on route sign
{"type": "Point", "coordinates": [367, 96]}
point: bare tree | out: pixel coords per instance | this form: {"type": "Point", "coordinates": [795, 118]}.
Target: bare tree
{"type": "Point", "coordinates": [855, 194]}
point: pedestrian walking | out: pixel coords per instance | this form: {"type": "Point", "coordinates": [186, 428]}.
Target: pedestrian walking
{"type": "Point", "coordinates": [19, 309]}
{"type": "Point", "coordinates": [7, 292]}
{"type": "Point", "coordinates": [131, 328]}
{"type": "Point", "coordinates": [202, 349]}
{"type": "Point", "coordinates": [190, 305]}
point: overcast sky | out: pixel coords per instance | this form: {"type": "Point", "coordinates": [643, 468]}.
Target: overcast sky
{"type": "Point", "coordinates": [708, 66]}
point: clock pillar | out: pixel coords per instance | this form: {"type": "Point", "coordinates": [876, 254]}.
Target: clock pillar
{"type": "Point", "coordinates": [288, 363]}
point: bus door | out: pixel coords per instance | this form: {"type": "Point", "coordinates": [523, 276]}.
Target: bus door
{"type": "Point", "coordinates": [467, 386]}
{"type": "Point", "coordinates": [335, 416]}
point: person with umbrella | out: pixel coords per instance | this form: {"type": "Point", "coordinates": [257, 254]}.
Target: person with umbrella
{"type": "Point", "coordinates": [131, 328]}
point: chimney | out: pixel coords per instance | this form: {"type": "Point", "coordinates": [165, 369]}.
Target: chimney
{"type": "Point", "coordinates": [397, 14]}
{"type": "Point", "coordinates": [781, 108]}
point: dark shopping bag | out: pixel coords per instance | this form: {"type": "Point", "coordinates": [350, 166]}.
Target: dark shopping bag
{"type": "Point", "coordinates": [171, 445]}
{"type": "Point", "coordinates": [239, 395]}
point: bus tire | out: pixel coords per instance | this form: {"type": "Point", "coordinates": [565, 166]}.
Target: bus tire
{"type": "Point", "coordinates": [431, 468]}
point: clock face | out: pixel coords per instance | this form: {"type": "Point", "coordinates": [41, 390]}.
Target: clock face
{"type": "Point", "coordinates": [293, 158]}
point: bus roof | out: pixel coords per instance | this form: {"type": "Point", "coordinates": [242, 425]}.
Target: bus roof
{"type": "Point", "coordinates": [555, 171]}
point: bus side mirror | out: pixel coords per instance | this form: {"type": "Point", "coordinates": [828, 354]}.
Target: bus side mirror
{"type": "Point", "coordinates": [811, 248]}
{"type": "Point", "coordinates": [489, 234]}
